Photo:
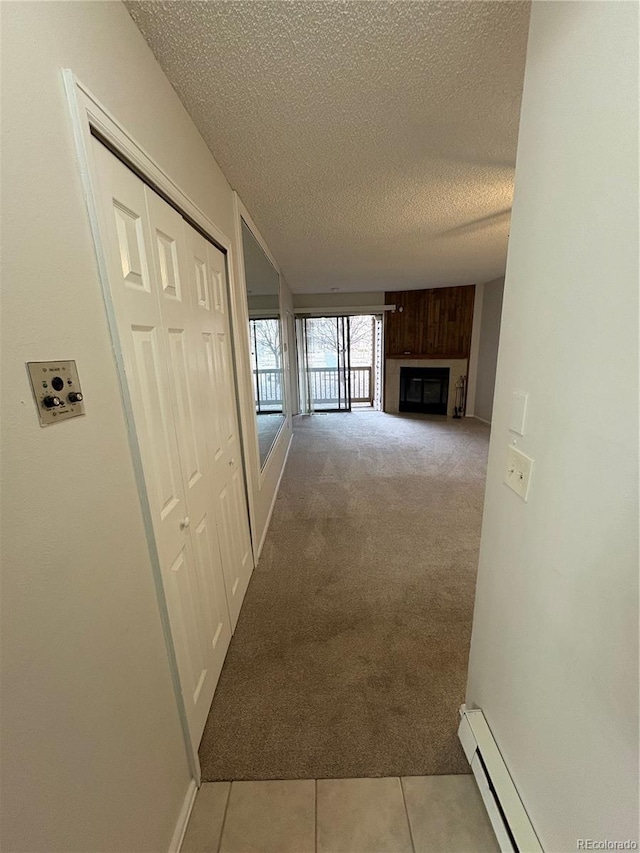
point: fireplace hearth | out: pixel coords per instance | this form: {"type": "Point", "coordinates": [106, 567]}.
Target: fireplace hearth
{"type": "Point", "coordinates": [424, 389]}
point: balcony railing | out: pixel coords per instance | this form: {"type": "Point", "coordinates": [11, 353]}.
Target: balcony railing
{"type": "Point", "coordinates": [361, 385]}
{"type": "Point", "coordinates": [267, 388]}
{"type": "Point", "coordinates": [324, 387]}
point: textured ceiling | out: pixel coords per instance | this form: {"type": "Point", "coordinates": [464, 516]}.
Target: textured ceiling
{"type": "Point", "coordinates": [373, 142]}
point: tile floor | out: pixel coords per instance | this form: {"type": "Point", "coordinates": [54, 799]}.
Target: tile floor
{"type": "Point", "coordinates": [415, 814]}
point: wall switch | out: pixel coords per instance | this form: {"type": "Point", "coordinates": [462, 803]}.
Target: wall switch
{"type": "Point", "coordinates": [518, 472]}
{"type": "Point", "coordinates": [518, 412]}
{"type": "Point", "coordinates": [56, 390]}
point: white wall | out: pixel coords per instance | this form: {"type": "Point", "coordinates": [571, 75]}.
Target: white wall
{"type": "Point", "coordinates": [488, 348]}
{"type": "Point", "coordinates": [92, 751]}
{"type": "Point", "coordinates": [290, 350]}
{"type": "Point", "coordinates": [474, 349]}
{"type": "Point", "coordinates": [338, 300]}
{"type": "Point", "coordinates": [554, 656]}
{"type": "Point", "coordinates": [292, 358]}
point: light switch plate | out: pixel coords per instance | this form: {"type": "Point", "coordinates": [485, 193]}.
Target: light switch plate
{"type": "Point", "coordinates": [518, 472]}
{"type": "Point", "coordinates": [518, 412]}
{"type": "Point", "coordinates": [59, 380]}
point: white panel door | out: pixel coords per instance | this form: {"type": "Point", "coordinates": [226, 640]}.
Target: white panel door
{"type": "Point", "coordinates": [217, 389]}
{"type": "Point", "coordinates": [150, 369]}
{"type": "Point", "coordinates": [177, 309]}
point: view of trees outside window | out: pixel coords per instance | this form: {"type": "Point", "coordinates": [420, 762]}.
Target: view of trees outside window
{"type": "Point", "coordinates": [266, 364]}
{"type": "Point", "coordinates": [265, 343]}
{"type": "Point", "coordinates": [323, 341]}
{"type": "Point", "coordinates": [326, 338]}
{"type": "Point", "coordinates": [361, 338]}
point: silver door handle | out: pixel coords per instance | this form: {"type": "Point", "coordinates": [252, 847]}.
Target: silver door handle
{"type": "Point", "coordinates": [232, 462]}
{"type": "Point", "coordinates": [186, 521]}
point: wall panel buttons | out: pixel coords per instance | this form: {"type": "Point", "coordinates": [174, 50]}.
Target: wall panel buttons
{"type": "Point", "coordinates": [56, 390]}
{"type": "Point", "coordinates": [51, 402]}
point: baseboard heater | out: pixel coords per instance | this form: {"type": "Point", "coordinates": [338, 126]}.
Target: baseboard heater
{"type": "Point", "coordinates": [506, 812]}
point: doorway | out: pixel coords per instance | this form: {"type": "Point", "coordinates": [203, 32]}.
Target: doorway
{"type": "Point", "coordinates": [339, 362]}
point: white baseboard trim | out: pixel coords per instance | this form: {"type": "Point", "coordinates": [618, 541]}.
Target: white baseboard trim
{"type": "Point", "coordinates": [273, 502]}
{"type": "Point", "coordinates": [509, 819]}
{"type": "Point", "coordinates": [482, 420]}
{"type": "Point", "coordinates": [183, 817]}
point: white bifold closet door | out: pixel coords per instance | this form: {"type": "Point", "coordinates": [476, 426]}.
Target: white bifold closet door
{"type": "Point", "coordinates": [213, 333]}
{"type": "Point", "coordinates": [168, 292]}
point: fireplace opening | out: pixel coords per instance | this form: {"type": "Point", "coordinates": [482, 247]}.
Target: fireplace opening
{"type": "Point", "coordinates": [424, 389]}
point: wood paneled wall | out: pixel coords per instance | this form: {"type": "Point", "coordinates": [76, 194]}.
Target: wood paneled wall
{"type": "Point", "coordinates": [433, 323]}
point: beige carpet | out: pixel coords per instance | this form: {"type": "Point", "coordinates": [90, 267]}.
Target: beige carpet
{"type": "Point", "coordinates": [350, 655]}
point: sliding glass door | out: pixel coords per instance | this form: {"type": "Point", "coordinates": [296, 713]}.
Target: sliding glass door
{"type": "Point", "coordinates": [339, 363]}
{"type": "Point", "coordinates": [325, 343]}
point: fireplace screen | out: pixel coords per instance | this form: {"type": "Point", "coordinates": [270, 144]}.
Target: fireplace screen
{"type": "Point", "coordinates": [424, 389]}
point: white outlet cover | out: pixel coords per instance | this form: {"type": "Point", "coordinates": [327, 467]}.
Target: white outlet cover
{"type": "Point", "coordinates": [518, 412]}
{"type": "Point", "coordinates": [518, 470]}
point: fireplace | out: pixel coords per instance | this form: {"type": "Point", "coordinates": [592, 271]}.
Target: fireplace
{"type": "Point", "coordinates": [424, 389]}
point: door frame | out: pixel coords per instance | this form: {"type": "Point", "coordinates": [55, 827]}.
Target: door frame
{"type": "Point", "coordinates": [345, 322]}
{"type": "Point", "coordinates": [343, 335]}
{"type": "Point", "coordinates": [90, 118]}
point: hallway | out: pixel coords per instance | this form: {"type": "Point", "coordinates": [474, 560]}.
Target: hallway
{"type": "Point", "coordinates": [350, 655]}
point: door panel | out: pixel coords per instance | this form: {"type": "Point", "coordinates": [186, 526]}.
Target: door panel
{"type": "Point", "coordinates": [178, 363]}
{"type": "Point", "coordinates": [231, 576]}
{"type": "Point", "coordinates": [132, 251]}
{"type": "Point", "coordinates": [168, 269]}
{"type": "Point", "coordinates": [223, 380]}
{"type": "Point", "coordinates": [217, 391]}
{"type": "Point", "coordinates": [241, 530]}
{"type": "Point", "coordinates": [185, 624]}
{"type": "Point", "coordinates": [326, 360]}
{"type": "Point", "coordinates": [219, 294]}
{"type": "Point", "coordinates": [203, 294]}
{"type": "Point", "coordinates": [127, 241]}
{"type": "Point", "coordinates": [213, 604]}
{"type": "Point", "coordinates": [232, 540]}
{"type": "Point", "coordinates": [146, 257]}
{"type": "Point", "coordinates": [206, 553]}
{"type": "Point", "coordinates": [156, 431]}
{"type": "Point", "coordinates": [178, 306]}
{"type": "Point", "coordinates": [216, 441]}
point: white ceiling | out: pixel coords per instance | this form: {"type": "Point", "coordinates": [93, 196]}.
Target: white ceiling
{"type": "Point", "coordinates": [373, 142]}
